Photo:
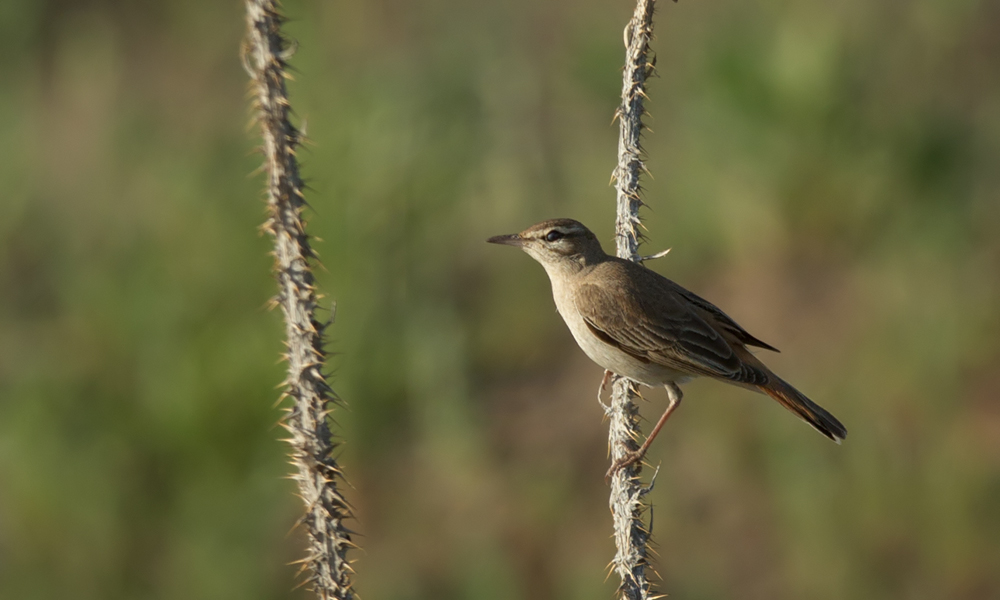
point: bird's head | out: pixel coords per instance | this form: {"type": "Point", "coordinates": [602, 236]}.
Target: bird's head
{"type": "Point", "coordinates": [556, 242]}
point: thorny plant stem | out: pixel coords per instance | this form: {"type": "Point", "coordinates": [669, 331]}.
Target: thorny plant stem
{"type": "Point", "coordinates": [627, 507]}
{"type": "Point", "coordinates": [328, 572]}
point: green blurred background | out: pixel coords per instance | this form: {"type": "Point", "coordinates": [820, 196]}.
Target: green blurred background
{"type": "Point", "coordinates": [827, 172]}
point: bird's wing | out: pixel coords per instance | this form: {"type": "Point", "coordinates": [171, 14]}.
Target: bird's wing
{"type": "Point", "coordinates": [664, 329]}
{"type": "Point", "coordinates": [712, 313]}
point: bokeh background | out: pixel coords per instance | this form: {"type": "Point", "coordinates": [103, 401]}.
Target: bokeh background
{"type": "Point", "coordinates": [828, 172]}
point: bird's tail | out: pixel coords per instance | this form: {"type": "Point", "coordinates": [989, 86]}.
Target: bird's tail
{"type": "Point", "coordinates": [806, 409]}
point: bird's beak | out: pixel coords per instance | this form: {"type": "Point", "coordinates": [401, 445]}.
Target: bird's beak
{"type": "Point", "coordinates": [513, 239]}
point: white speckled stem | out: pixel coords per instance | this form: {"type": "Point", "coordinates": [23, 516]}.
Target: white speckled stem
{"type": "Point", "coordinates": [627, 507]}
{"type": "Point", "coordinates": [328, 573]}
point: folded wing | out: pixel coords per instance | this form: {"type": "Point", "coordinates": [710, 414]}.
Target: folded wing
{"type": "Point", "coordinates": [666, 331]}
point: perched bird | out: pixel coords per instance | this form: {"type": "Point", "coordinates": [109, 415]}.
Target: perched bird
{"type": "Point", "coordinates": [634, 322]}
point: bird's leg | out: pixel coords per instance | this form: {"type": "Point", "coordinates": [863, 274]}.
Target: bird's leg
{"type": "Point", "coordinates": [674, 396]}
{"type": "Point", "coordinates": [600, 390]}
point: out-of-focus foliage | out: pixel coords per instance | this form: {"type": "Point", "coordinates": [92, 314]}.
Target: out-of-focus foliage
{"type": "Point", "coordinates": [827, 172]}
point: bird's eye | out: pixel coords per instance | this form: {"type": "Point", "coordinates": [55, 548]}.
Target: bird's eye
{"type": "Point", "coordinates": [553, 235]}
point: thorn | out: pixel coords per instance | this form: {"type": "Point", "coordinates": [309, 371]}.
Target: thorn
{"type": "Point", "coordinates": [660, 254]}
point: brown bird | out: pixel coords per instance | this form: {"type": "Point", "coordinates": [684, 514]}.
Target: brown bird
{"type": "Point", "coordinates": [634, 322]}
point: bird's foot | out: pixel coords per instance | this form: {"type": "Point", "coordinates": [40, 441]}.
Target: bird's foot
{"type": "Point", "coordinates": [630, 458]}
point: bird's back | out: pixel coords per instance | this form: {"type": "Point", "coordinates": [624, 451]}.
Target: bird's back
{"type": "Point", "coordinates": [634, 277]}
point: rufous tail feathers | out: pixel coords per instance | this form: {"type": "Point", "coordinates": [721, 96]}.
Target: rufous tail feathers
{"type": "Point", "coordinates": [806, 409]}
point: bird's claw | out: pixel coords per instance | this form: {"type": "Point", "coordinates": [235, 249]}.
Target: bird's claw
{"type": "Point", "coordinates": [630, 458]}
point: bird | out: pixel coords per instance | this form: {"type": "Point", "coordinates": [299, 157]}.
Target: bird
{"type": "Point", "coordinates": [638, 324]}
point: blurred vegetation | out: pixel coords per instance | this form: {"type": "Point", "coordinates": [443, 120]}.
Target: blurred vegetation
{"type": "Point", "coordinates": [825, 172]}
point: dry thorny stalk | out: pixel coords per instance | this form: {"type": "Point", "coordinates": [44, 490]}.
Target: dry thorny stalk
{"type": "Point", "coordinates": [265, 52]}
{"type": "Point", "coordinates": [627, 491]}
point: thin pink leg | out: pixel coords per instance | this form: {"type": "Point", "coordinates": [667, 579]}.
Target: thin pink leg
{"type": "Point", "coordinates": [674, 396]}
